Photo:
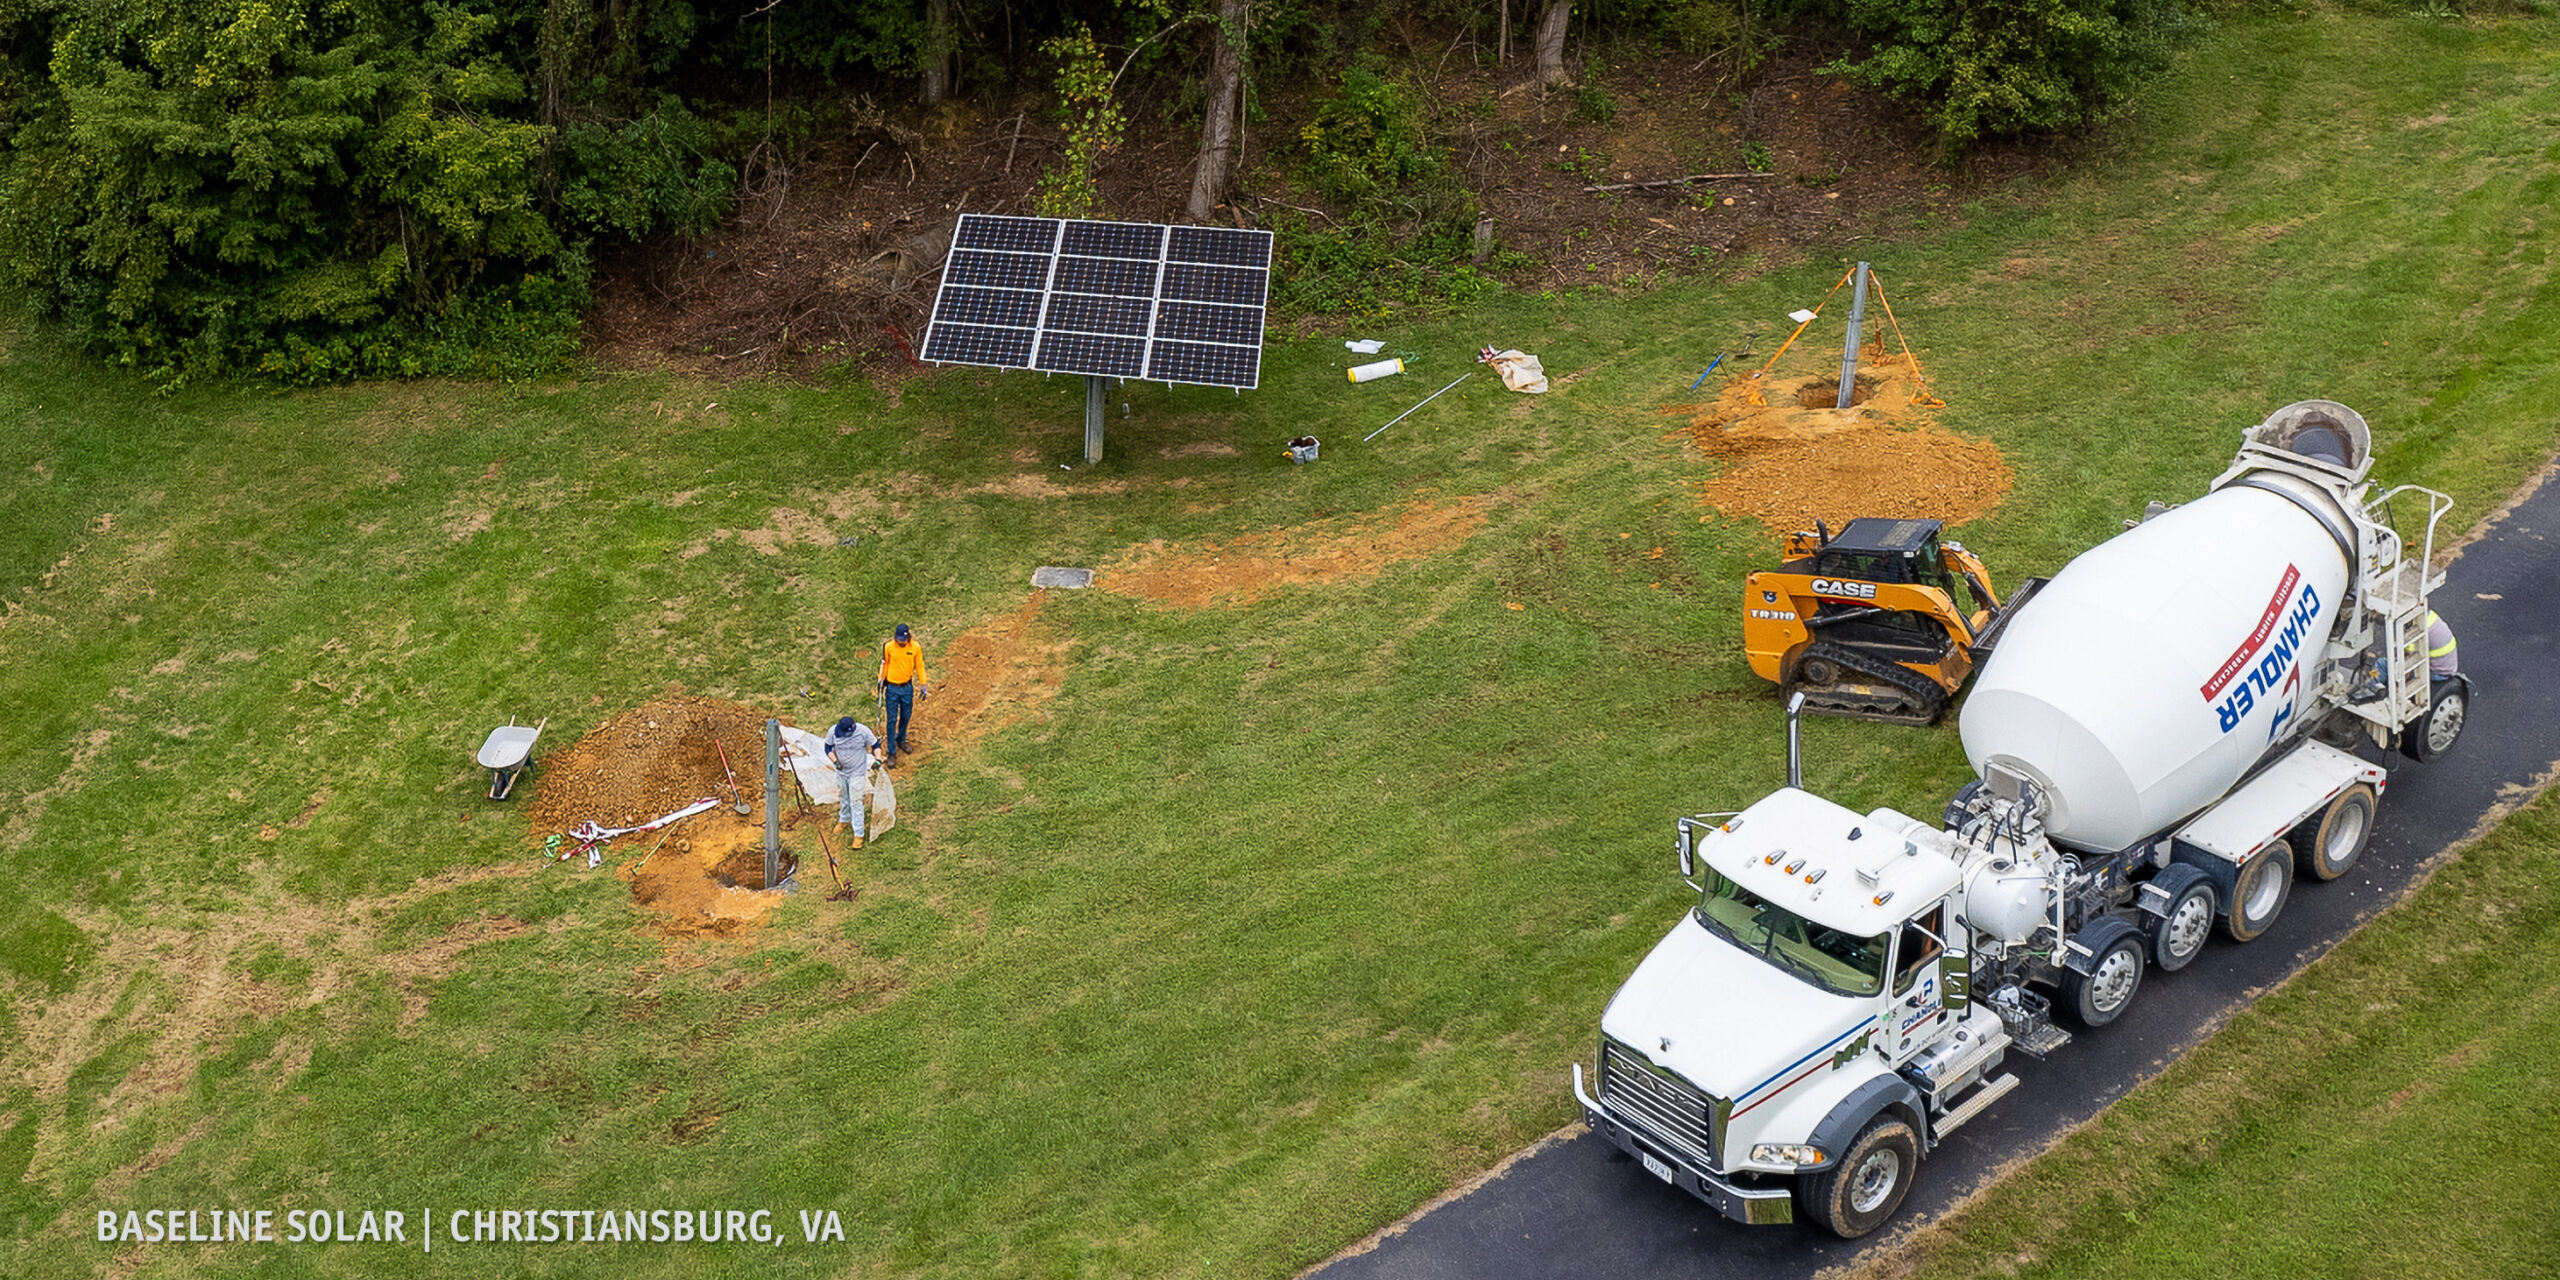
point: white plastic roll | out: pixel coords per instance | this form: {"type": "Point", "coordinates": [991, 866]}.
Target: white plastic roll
{"type": "Point", "coordinates": [1381, 369]}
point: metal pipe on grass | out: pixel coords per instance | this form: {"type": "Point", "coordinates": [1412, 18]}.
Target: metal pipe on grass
{"type": "Point", "coordinates": [1409, 412]}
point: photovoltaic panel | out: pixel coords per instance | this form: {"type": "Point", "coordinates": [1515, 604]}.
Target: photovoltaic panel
{"type": "Point", "coordinates": [1233, 285]}
{"type": "Point", "coordinates": [1141, 240]}
{"type": "Point", "coordinates": [1016, 235]}
{"type": "Point", "coordinates": [1202, 322]}
{"type": "Point", "coordinates": [978, 344]}
{"type": "Point", "coordinates": [1085, 313]}
{"type": "Point", "coordinates": [1114, 299]}
{"type": "Point", "coordinates": [1118, 277]}
{"type": "Point", "coordinates": [1203, 362]}
{"type": "Point", "coordinates": [1018, 308]}
{"type": "Point", "coordinates": [997, 271]}
{"type": "Point", "coordinates": [1220, 246]}
{"type": "Point", "coordinates": [1091, 353]}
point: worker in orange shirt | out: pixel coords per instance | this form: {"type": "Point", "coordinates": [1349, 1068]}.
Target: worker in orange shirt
{"type": "Point", "coordinates": [902, 679]}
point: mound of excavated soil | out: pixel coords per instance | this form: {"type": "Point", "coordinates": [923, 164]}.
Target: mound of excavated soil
{"type": "Point", "coordinates": [1248, 568]}
{"type": "Point", "coordinates": [700, 874]}
{"type": "Point", "coordinates": [1787, 465]}
{"type": "Point", "coordinates": [650, 761]}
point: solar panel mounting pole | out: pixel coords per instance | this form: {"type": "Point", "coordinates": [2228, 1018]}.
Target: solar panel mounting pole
{"type": "Point", "coordinates": [773, 802]}
{"type": "Point", "coordinates": [1849, 354]}
{"type": "Point", "coordinates": [1096, 390]}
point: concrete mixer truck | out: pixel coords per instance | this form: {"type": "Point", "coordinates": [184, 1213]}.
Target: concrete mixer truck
{"type": "Point", "coordinates": [2167, 732]}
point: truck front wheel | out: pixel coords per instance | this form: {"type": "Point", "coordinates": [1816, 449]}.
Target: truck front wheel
{"type": "Point", "coordinates": [2258, 893]}
{"type": "Point", "coordinates": [1857, 1195]}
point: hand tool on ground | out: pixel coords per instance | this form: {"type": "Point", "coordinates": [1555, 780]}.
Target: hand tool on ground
{"type": "Point", "coordinates": [669, 834]}
{"type": "Point", "coordinates": [737, 800]}
{"type": "Point", "coordinates": [1409, 412]}
{"type": "Point", "coordinates": [843, 892]}
{"type": "Point", "coordinates": [1711, 368]}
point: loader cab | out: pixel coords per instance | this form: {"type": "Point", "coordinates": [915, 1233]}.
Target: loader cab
{"type": "Point", "coordinates": [1873, 550]}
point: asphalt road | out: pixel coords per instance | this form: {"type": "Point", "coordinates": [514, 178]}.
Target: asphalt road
{"type": "Point", "coordinates": [1581, 1208]}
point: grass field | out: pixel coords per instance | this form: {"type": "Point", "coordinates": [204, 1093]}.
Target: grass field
{"type": "Point", "coordinates": [1276, 920]}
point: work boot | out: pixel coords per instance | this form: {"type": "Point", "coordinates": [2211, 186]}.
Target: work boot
{"type": "Point", "coordinates": [857, 842]}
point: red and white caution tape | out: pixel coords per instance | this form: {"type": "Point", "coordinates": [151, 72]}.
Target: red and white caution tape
{"type": "Point", "coordinates": [589, 833]}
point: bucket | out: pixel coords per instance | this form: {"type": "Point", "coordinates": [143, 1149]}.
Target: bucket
{"type": "Point", "coordinates": [1380, 369]}
{"type": "Point", "coordinates": [1302, 449]}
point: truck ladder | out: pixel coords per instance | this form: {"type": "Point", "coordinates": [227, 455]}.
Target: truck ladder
{"type": "Point", "coordinates": [2394, 590]}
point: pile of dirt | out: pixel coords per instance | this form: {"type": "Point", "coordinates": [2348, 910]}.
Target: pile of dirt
{"type": "Point", "coordinates": [1248, 568]}
{"type": "Point", "coordinates": [1790, 457]}
{"type": "Point", "coordinates": [650, 761]}
{"type": "Point", "coordinates": [701, 874]}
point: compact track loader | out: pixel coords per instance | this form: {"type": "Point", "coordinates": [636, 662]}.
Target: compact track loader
{"type": "Point", "coordinates": [1867, 624]}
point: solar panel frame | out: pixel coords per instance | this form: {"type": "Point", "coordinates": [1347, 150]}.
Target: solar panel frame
{"type": "Point", "coordinates": [1112, 299]}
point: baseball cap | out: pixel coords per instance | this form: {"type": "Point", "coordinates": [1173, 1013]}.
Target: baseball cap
{"type": "Point", "coordinates": [902, 632]}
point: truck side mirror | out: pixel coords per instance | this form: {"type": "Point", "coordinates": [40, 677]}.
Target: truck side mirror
{"type": "Point", "coordinates": [1688, 859]}
{"type": "Point", "coordinates": [1955, 977]}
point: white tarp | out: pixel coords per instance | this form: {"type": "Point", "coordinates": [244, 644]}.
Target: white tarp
{"type": "Point", "coordinates": [806, 754]}
{"type": "Point", "coordinates": [1520, 371]}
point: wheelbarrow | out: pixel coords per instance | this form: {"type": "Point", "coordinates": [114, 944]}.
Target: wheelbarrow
{"type": "Point", "coordinates": [508, 755]}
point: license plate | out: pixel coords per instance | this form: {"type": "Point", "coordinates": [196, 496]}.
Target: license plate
{"type": "Point", "coordinates": [1655, 1167]}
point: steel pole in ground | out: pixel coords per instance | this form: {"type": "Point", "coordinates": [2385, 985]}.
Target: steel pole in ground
{"type": "Point", "coordinates": [1849, 354]}
{"type": "Point", "coordinates": [1096, 390]}
{"type": "Point", "coordinates": [772, 802]}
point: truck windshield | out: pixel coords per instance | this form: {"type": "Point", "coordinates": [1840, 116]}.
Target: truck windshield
{"type": "Point", "coordinates": [1843, 962]}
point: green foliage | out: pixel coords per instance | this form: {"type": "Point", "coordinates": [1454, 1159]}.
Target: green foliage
{"type": "Point", "coordinates": [1691, 26]}
{"type": "Point", "coordinates": [306, 190]}
{"type": "Point", "coordinates": [1094, 126]}
{"type": "Point", "coordinates": [1981, 69]}
{"type": "Point", "coordinates": [1407, 225]}
{"type": "Point", "coordinates": [1592, 101]}
{"type": "Point", "coordinates": [653, 172]}
{"type": "Point", "coordinates": [1367, 139]}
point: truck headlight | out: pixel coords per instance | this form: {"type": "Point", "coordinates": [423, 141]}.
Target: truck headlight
{"type": "Point", "coordinates": [1797, 1154]}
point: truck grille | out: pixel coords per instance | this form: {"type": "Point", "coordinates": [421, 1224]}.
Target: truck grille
{"type": "Point", "coordinates": [1669, 1109]}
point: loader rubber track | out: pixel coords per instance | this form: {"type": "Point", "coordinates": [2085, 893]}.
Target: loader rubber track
{"type": "Point", "coordinates": [1868, 687]}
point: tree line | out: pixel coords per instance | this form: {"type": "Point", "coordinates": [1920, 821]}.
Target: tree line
{"type": "Point", "coordinates": [310, 190]}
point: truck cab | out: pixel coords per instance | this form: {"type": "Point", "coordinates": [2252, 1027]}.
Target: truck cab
{"type": "Point", "coordinates": [1803, 1036]}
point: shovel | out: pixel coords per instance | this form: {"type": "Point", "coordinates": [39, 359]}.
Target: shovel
{"type": "Point", "coordinates": [737, 801]}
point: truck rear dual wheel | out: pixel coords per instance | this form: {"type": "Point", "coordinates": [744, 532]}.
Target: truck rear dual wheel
{"type": "Point", "coordinates": [2258, 894]}
{"type": "Point", "coordinates": [2325, 847]}
{"type": "Point", "coordinates": [2178, 934]}
{"type": "Point", "coordinates": [1861, 1192]}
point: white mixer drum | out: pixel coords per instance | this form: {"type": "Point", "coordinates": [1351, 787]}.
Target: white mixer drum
{"type": "Point", "coordinates": [2139, 685]}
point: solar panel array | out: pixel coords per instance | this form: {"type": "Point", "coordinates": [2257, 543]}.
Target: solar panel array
{"type": "Point", "coordinates": [1118, 299]}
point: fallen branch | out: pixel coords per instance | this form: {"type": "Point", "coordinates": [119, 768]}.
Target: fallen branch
{"type": "Point", "coordinates": [1674, 182]}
